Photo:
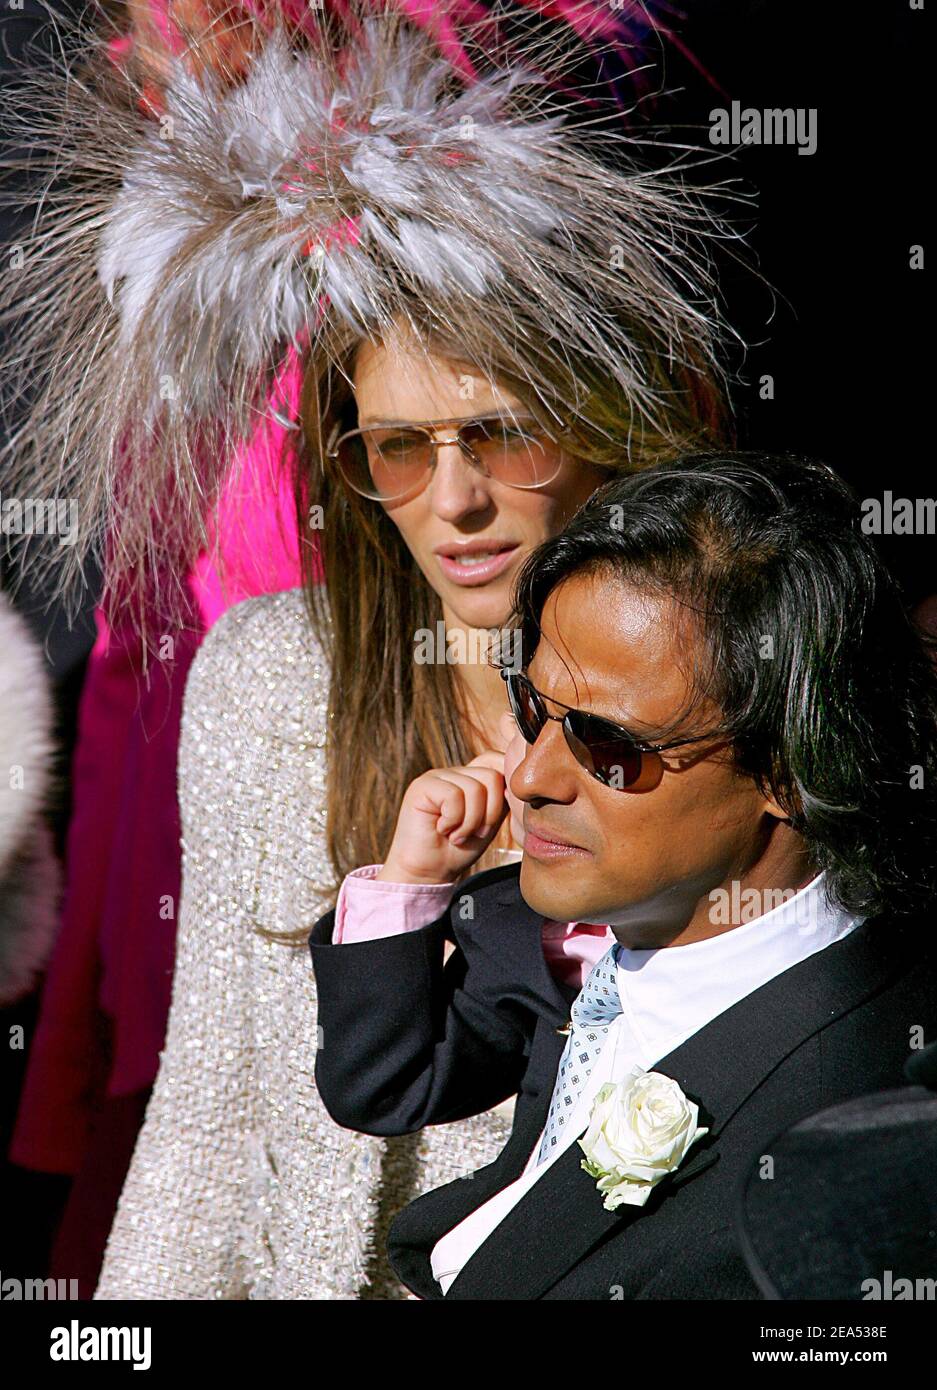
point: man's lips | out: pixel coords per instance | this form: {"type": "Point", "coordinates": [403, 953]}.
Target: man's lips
{"type": "Point", "coordinates": [475, 561]}
{"type": "Point", "coordinates": [547, 844]}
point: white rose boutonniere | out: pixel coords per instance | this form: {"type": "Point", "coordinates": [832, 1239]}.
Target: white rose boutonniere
{"type": "Point", "coordinates": [639, 1131]}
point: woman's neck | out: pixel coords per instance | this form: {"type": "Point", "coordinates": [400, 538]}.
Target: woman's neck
{"type": "Point", "coordinates": [484, 703]}
{"type": "Point", "coordinates": [483, 698]}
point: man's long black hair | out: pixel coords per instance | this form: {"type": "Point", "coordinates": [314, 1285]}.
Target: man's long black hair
{"type": "Point", "coordinates": [827, 690]}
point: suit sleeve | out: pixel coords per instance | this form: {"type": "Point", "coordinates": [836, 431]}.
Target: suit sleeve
{"type": "Point", "coordinates": [406, 1040]}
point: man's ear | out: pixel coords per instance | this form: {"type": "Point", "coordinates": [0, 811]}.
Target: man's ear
{"type": "Point", "coordinates": [772, 807]}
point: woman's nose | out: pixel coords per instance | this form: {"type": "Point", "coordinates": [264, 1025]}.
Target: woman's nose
{"type": "Point", "coordinates": [456, 487]}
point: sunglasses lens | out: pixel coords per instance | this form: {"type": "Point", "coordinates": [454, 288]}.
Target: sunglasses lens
{"type": "Point", "coordinates": [385, 463]}
{"type": "Point", "coordinates": [606, 755]}
{"type": "Point", "coordinates": [511, 453]}
{"type": "Point", "coordinates": [525, 707]}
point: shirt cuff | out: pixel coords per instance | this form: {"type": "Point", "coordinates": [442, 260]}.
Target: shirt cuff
{"type": "Point", "coordinates": [368, 909]}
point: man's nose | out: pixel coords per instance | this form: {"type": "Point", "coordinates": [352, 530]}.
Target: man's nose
{"type": "Point", "coordinates": [548, 771]}
{"type": "Point", "coordinates": [456, 487]}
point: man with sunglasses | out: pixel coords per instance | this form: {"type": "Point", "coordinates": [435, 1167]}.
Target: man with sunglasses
{"type": "Point", "coordinates": [727, 753]}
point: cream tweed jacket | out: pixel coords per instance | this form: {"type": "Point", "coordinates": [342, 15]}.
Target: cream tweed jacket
{"type": "Point", "coordinates": [241, 1187]}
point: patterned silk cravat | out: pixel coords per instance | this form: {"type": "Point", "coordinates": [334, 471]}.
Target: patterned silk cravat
{"type": "Point", "coordinates": [594, 1008]}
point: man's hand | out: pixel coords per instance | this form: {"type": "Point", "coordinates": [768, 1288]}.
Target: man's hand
{"type": "Point", "coordinates": [447, 820]}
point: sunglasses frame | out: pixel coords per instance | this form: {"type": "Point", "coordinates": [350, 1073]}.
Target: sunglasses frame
{"type": "Point", "coordinates": [458, 423]}
{"type": "Point", "coordinates": [617, 731]}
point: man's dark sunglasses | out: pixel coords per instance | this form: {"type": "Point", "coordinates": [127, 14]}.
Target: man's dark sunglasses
{"type": "Point", "coordinates": [607, 751]}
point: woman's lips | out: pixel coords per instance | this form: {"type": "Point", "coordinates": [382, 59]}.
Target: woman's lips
{"type": "Point", "coordinates": [466, 566]}
{"type": "Point", "coordinates": [539, 847]}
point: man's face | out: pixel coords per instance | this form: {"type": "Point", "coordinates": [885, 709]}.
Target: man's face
{"type": "Point", "coordinates": [643, 857]}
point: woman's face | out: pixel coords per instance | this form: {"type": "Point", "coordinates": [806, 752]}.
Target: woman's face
{"type": "Point", "coordinates": [461, 516]}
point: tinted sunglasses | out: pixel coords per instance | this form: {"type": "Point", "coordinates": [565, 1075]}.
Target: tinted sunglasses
{"type": "Point", "coordinates": [387, 462]}
{"type": "Point", "coordinates": [608, 752]}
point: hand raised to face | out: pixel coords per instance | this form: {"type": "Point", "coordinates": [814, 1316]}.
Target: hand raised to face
{"type": "Point", "coordinates": [448, 818]}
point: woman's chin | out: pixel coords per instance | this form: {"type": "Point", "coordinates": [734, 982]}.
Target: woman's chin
{"type": "Point", "coordinates": [488, 605]}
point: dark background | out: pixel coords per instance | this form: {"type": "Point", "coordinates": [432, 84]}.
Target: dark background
{"type": "Point", "coordinates": [847, 345]}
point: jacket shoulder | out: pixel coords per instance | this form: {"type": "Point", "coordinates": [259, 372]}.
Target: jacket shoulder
{"type": "Point", "coordinates": [870, 1044]}
{"type": "Point", "coordinates": [252, 768]}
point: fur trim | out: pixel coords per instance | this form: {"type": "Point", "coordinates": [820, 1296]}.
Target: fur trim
{"type": "Point", "coordinates": [25, 731]}
{"type": "Point", "coordinates": [29, 915]}
{"type": "Point", "coordinates": [28, 869]}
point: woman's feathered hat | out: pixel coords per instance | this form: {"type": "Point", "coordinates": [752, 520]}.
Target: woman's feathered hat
{"type": "Point", "coordinates": [332, 179]}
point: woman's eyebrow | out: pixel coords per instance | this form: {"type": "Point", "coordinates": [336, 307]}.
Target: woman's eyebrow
{"type": "Point", "coordinates": [493, 414]}
{"type": "Point", "coordinates": [364, 420]}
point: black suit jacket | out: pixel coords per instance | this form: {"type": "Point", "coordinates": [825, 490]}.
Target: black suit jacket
{"type": "Point", "coordinates": [407, 1041]}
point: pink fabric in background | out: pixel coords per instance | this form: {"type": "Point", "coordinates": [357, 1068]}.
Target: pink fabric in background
{"type": "Point", "coordinates": [625, 32]}
{"type": "Point", "coordinates": [255, 522]}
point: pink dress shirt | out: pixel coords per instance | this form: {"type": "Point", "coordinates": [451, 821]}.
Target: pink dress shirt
{"type": "Point", "coordinates": [368, 908]}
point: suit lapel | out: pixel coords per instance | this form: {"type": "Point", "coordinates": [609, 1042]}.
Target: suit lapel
{"type": "Point", "coordinates": [562, 1216]}
{"type": "Point", "coordinates": [554, 1225]}
{"type": "Point", "coordinates": [551, 1229]}
{"type": "Point", "coordinates": [416, 1229]}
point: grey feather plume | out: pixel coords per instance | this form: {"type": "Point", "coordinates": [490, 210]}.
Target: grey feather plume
{"type": "Point", "coordinates": [171, 265]}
